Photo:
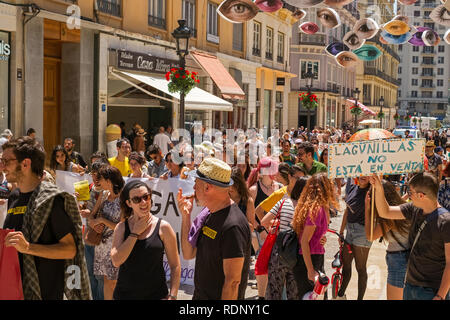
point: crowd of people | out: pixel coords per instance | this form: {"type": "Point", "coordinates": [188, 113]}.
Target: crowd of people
{"type": "Point", "coordinates": [244, 196]}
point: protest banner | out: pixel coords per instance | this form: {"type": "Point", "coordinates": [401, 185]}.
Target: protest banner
{"type": "Point", "coordinates": [363, 158]}
{"type": "Point", "coordinates": [164, 205]}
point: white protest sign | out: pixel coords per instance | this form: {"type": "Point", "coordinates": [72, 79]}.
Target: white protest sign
{"type": "Point", "coordinates": [66, 179]}
{"type": "Point", "coordinates": [363, 158]}
{"type": "Point", "coordinates": [164, 205]}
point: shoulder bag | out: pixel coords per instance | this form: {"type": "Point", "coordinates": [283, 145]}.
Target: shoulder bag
{"type": "Point", "coordinates": [92, 237]}
{"type": "Point", "coordinates": [262, 262]}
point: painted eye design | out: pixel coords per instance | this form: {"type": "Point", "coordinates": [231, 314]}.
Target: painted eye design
{"type": "Point", "coordinates": [368, 53]}
{"type": "Point", "coordinates": [392, 39]}
{"type": "Point", "coordinates": [299, 14]}
{"type": "Point", "coordinates": [303, 3]}
{"type": "Point", "coordinates": [430, 38]}
{"type": "Point", "coordinates": [329, 18]}
{"type": "Point", "coordinates": [405, 19]}
{"type": "Point", "coordinates": [334, 48]}
{"type": "Point", "coordinates": [441, 15]}
{"type": "Point", "coordinates": [353, 41]}
{"type": "Point", "coordinates": [346, 59]}
{"type": "Point", "coordinates": [337, 3]}
{"type": "Point", "coordinates": [237, 11]}
{"type": "Point", "coordinates": [366, 28]}
{"type": "Point", "coordinates": [309, 27]}
{"type": "Point", "coordinates": [447, 36]}
{"type": "Point", "coordinates": [416, 39]}
{"type": "Point", "coordinates": [269, 5]}
{"type": "Point", "coordinates": [396, 27]}
{"type": "Point", "coordinates": [407, 2]}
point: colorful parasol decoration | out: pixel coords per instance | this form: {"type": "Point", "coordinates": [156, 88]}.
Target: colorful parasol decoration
{"type": "Point", "coordinates": [371, 134]}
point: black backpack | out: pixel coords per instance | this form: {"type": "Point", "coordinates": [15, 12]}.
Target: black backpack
{"type": "Point", "coordinates": [287, 243]}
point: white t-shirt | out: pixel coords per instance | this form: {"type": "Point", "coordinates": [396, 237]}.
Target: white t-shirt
{"type": "Point", "coordinates": [163, 142]}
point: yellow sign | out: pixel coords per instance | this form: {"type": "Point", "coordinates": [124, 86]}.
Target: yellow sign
{"type": "Point", "coordinates": [82, 188]}
{"type": "Point", "coordinates": [209, 232]}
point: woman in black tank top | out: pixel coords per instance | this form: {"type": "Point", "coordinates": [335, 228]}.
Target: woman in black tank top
{"type": "Point", "coordinates": [139, 244]}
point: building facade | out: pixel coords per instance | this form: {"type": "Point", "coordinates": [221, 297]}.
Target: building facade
{"type": "Point", "coordinates": [424, 71]}
{"type": "Point", "coordinates": [332, 83]}
{"type": "Point", "coordinates": [78, 66]}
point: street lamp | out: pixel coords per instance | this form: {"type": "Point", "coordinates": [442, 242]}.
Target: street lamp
{"type": "Point", "coordinates": [309, 76]}
{"type": "Point", "coordinates": [356, 93]}
{"type": "Point", "coordinates": [182, 35]}
{"type": "Point", "coordinates": [381, 111]}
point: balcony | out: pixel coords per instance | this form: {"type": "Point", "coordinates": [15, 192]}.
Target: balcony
{"type": "Point", "coordinates": [371, 71]}
{"type": "Point", "coordinates": [428, 63]}
{"type": "Point", "coordinates": [111, 8]}
{"type": "Point", "coordinates": [157, 22]}
{"type": "Point", "coordinates": [426, 75]}
{"type": "Point", "coordinates": [427, 86]}
{"type": "Point", "coordinates": [269, 55]}
{"type": "Point", "coordinates": [256, 52]}
{"type": "Point", "coordinates": [280, 59]}
{"type": "Point", "coordinates": [429, 5]}
{"type": "Point", "coordinates": [312, 39]}
{"type": "Point", "coordinates": [428, 50]}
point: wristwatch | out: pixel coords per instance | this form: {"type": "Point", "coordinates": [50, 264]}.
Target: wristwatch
{"type": "Point", "coordinates": [134, 235]}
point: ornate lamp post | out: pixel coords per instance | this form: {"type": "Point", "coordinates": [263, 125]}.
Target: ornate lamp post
{"type": "Point", "coordinates": [381, 114]}
{"type": "Point", "coordinates": [182, 35]}
{"type": "Point", "coordinates": [356, 110]}
{"type": "Point", "coordinates": [309, 76]}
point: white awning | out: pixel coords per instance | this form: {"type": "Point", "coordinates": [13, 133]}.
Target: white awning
{"type": "Point", "coordinates": [197, 99]}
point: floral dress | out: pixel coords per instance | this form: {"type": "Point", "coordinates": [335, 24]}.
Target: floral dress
{"type": "Point", "coordinates": [102, 260]}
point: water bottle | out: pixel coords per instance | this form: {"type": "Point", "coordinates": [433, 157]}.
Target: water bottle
{"type": "Point", "coordinates": [320, 286]}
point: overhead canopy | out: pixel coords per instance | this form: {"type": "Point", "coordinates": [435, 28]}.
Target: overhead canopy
{"type": "Point", "coordinates": [196, 99]}
{"type": "Point", "coordinates": [228, 87]}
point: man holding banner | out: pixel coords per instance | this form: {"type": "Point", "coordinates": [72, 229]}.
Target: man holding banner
{"type": "Point", "coordinates": [223, 245]}
{"type": "Point", "coordinates": [428, 272]}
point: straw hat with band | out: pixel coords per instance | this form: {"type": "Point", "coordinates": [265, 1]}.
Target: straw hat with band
{"type": "Point", "coordinates": [214, 171]}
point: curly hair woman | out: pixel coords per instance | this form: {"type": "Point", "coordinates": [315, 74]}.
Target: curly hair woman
{"type": "Point", "coordinates": [310, 222]}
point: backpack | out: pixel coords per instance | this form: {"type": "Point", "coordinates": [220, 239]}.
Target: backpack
{"type": "Point", "coordinates": [287, 243]}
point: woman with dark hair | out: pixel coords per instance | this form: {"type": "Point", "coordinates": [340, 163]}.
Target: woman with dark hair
{"type": "Point", "coordinates": [111, 182]}
{"type": "Point", "coordinates": [240, 194]}
{"type": "Point", "coordinates": [245, 167]}
{"type": "Point", "coordinates": [137, 161]}
{"type": "Point", "coordinates": [139, 243]}
{"type": "Point", "coordinates": [444, 188]}
{"type": "Point", "coordinates": [280, 275]}
{"type": "Point", "coordinates": [324, 157]}
{"type": "Point", "coordinates": [60, 161]}
{"type": "Point", "coordinates": [396, 233]}
{"type": "Point", "coordinates": [283, 173]}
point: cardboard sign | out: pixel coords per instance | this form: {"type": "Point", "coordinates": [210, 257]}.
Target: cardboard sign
{"type": "Point", "coordinates": [363, 158]}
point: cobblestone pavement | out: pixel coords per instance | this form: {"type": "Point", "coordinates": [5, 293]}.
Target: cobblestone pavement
{"type": "Point", "coordinates": [376, 267]}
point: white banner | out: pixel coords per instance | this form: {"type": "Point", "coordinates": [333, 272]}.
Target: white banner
{"type": "Point", "coordinates": [164, 205]}
{"type": "Point", "coordinates": [363, 158]}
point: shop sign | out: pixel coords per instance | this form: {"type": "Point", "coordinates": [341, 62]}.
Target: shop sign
{"type": "Point", "coordinates": [5, 51]}
{"type": "Point", "coordinates": [144, 62]}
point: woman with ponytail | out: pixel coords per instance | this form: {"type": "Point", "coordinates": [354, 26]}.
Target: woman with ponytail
{"type": "Point", "coordinates": [310, 222]}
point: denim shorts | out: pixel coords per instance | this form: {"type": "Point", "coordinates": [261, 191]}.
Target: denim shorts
{"type": "Point", "coordinates": [356, 235]}
{"type": "Point", "coordinates": [396, 266]}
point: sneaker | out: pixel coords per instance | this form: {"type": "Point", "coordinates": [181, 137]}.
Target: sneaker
{"type": "Point", "coordinates": [344, 297]}
{"type": "Point", "coordinates": [254, 286]}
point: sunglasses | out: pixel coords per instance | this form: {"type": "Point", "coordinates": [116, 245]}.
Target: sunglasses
{"type": "Point", "coordinates": [145, 197]}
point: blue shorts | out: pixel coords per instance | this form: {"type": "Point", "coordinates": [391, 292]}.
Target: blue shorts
{"type": "Point", "coordinates": [396, 266]}
{"type": "Point", "coordinates": [356, 235]}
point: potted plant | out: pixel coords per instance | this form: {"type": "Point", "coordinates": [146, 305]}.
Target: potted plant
{"type": "Point", "coordinates": [181, 80]}
{"type": "Point", "coordinates": [309, 100]}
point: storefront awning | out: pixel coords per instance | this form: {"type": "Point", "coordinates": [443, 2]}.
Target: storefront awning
{"type": "Point", "coordinates": [228, 87]}
{"type": "Point", "coordinates": [196, 99]}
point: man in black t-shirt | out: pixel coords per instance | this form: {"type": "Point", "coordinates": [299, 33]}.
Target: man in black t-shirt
{"type": "Point", "coordinates": [223, 246]}
{"type": "Point", "coordinates": [46, 235]}
{"type": "Point", "coordinates": [428, 273]}
{"type": "Point", "coordinates": [74, 156]}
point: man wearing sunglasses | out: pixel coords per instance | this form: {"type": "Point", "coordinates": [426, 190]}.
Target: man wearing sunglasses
{"type": "Point", "coordinates": [47, 228]}
{"type": "Point", "coordinates": [306, 152]}
{"type": "Point", "coordinates": [428, 272]}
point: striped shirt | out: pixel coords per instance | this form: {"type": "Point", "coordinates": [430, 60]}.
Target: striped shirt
{"type": "Point", "coordinates": [286, 214]}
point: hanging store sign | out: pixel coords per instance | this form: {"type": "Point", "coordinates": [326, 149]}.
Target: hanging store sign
{"type": "Point", "coordinates": [145, 62]}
